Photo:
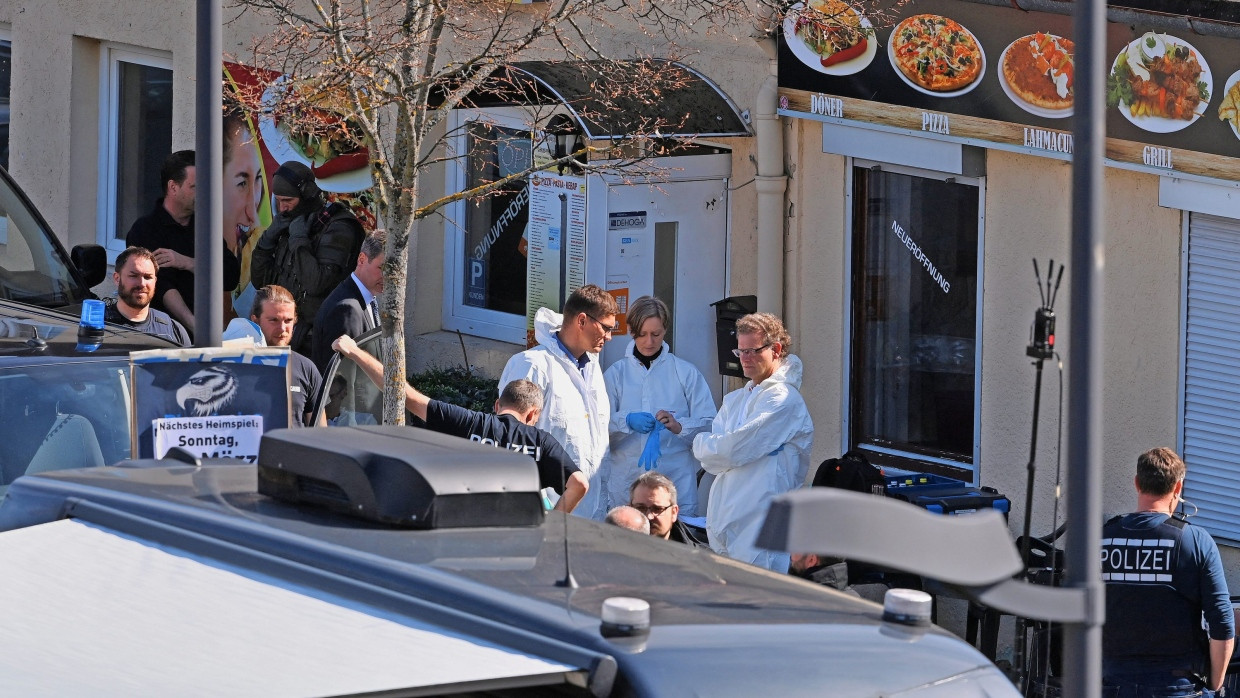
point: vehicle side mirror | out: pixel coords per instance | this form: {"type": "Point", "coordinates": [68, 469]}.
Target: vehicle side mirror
{"type": "Point", "coordinates": [92, 263]}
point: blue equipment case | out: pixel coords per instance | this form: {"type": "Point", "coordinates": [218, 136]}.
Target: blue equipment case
{"type": "Point", "coordinates": [944, 495]}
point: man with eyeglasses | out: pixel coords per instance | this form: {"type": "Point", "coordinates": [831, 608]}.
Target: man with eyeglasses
{"type": "Point", "coordinates": [759, 443]}
{"type": "Point", "coordinates": [654, 495]}
{"type": "Point", "coordinates": [576, 409]}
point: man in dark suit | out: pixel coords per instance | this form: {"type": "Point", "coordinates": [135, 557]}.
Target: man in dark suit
{"type": "Point", "coordinates": [353, 307]}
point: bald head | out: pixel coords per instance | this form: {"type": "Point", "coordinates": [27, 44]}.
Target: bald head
{"type": "Point", "coordinates": [630, 518]}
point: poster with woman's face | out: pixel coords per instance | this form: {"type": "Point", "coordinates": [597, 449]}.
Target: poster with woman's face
{"type": "Point", "coordinates": [341, 169]}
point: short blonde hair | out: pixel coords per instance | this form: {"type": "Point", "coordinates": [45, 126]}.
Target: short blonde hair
{"type": "Point", "coordinates": [769, 327]}
{"type": "Point", "coordinates": [645, 308]}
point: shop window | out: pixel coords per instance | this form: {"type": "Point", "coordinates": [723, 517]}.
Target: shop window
{"type": "Point", "coordinates": [6, 81]}
{"type": "Point", "coordinates": [914, 350]}
{"type": "Point", "coordinates": [135, 136]}
{"type": "Point", "coordinates": [485, 280]}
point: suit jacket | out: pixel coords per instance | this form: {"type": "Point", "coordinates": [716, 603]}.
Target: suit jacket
{"type": "Point", "coordinates": [343, 312]}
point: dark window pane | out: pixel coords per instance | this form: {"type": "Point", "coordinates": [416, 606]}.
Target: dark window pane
{"type": "Point", "coordinates": [143, 139]}
{"type": "Point", "coordinates": [6, 78]}
{"type": "Point", "coordinates": [66, 415]}
{"type": "Point", "coordinates": [494, 273]}
{"type": "Point", "coordinates": [914, 314]}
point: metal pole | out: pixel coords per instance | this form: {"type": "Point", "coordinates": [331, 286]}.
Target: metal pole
{"type": "Point", "coordinates": [209, 190]}
{"type": "Point", "coordinates": [1020, 645]}
{"type": "Point", "coordinates": [1082, 656]}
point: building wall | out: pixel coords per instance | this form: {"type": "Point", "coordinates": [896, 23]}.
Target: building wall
{"type": "Point", "coordinates": [1027, 214]}
{"type": "Point", "coordinates": [55, 93]}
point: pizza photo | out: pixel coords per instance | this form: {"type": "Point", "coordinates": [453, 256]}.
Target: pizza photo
{"type": "Point", "coordinates": [936, 55]}
{"type": "Point", "coordinates": [1037, 72]}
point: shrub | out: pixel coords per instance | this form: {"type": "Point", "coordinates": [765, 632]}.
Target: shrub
{"type": "Point", "coordinates": [458, 386]}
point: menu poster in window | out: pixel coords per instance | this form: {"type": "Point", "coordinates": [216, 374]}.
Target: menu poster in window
{"type": "Point", "coordinates": [556, 243]}
{"type": "Point", "coordinates": [212, 402]}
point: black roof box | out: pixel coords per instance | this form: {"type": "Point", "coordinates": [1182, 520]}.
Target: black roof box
{"type": "Point", "coordinates": [400, 475]}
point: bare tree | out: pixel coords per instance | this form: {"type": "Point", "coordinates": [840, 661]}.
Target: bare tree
{"type": "Point", "coordinates": [396, 68]}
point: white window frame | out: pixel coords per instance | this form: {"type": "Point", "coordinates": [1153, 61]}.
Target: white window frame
{"type": "Point", "coordinates": [980, 183]}
{"type": "Point", "coordinates": [111, 56]}
{"type": "Point", "coordinates": [457, 316]}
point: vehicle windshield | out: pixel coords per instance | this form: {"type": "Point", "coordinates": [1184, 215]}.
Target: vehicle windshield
{"type": "Point", "coordinates": [348, 397]}
{"type": "Point", "coordinates": [32, 268]}
{"type": "Point", "coordinates": [56, 416]}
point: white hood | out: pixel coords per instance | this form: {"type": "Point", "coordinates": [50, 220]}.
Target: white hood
{"type": "Point", "coordinates": [546, 323]}
{"type": "Point", "coordinates": [789, 372]}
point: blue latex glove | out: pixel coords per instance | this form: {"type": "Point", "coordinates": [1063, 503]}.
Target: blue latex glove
{"type": "Point", "coordinates": [651, 451]}
{"type": "Point", "coordinates": [776, 451]}
{"type": "Point", "coordinates": [641, 422]}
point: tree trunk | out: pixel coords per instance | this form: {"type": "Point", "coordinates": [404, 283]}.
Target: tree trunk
{"type": "Point", "coordinates": [398, 274]}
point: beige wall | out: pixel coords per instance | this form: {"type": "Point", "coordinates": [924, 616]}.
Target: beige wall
{"type": "Point", "coordinates": [54, 153]}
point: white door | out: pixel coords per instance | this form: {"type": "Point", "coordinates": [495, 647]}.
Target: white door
{"type": "Point", "coordinates": [670, 240]}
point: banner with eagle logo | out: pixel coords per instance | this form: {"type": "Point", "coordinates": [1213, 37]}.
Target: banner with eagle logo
{"type": "Point", "coordinates": [210, 402]}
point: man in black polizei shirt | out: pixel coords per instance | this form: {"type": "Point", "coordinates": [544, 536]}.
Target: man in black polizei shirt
{"type": "Point", "coordinates": [511, 427]}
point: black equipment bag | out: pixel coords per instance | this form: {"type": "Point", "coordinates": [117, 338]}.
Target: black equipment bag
{"type": "Point", "coordinates": [851, 471]}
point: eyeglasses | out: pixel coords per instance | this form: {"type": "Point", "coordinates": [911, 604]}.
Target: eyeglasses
{"type": "Point", "coordinates": [650, 510]}
{"type": "Point", "coordinates": [607, 329]}
{"type": "Point", "coordinates": [750, 352]}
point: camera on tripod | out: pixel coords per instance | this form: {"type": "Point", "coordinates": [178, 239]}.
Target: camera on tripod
{"type": "Point", "coordinates": [1042, 340]}
{"type": "Point", "coordinates": [1042, 334]}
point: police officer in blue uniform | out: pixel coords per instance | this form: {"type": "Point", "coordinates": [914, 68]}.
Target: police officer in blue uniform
{"type": "Point", "coordinates": [1162, 575]}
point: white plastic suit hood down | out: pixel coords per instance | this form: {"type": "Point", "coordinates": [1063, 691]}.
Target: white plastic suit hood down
{"type": "Point", "coordinates": [575, 407]}
{"type": "Point", "coordinates": [671, 384]}
{"type": "Point", "coordinates": [758, 447]}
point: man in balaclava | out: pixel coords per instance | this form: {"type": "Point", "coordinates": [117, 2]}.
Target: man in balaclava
{"type": "Point", "coordinates": [309, 248]}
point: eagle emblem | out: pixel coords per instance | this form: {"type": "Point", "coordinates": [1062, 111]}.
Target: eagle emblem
{"type": "Point", "coordinates": [208, 391]}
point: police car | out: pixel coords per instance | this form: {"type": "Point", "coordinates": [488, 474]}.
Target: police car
{"type": "Point", "coordinates": [385, 560]}
{"type": "Point", "coordinates": [63, 403]}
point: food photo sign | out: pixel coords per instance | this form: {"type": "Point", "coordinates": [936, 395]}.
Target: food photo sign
{"type": "Point", "coordinates": [973, 73]}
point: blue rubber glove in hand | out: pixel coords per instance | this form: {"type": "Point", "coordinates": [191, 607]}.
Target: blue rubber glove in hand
{"type": "Point", "coordinates": [651, 452]}
{"type": "Point", "coordinates": [776, 451]}
{"type": "Point", "coordinates": [641, 422]}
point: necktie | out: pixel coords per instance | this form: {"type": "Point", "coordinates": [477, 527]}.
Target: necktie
{"type": "Point", "coordinates": [374, 311]}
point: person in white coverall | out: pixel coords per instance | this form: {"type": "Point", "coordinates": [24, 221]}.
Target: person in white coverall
{"type": "Point", "coordinates": [759, 444]}
{"type": "Point", "coordinates": [565, 365]}
{"type": "Point", "coordinates": [650, 385]}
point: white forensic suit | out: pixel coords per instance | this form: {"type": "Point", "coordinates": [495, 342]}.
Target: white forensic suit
{"type": "Point", "coordinates": [671, 384]}
{"type": "Point", "coordinates": [575, 408]}
{"type": "Point", "coordinates": [743, 450]}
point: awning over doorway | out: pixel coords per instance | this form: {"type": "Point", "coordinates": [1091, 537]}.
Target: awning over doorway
{"type": "Point", "coordinates": [687, 101]}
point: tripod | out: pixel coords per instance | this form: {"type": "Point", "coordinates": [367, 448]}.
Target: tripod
{"type": "Point", "coordinates": [1041, 348]}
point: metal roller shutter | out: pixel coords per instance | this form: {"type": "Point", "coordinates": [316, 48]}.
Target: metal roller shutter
{"type": "Point", "coordinates": [1211, 426]}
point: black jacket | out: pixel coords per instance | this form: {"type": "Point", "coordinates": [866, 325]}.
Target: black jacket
{"type": "Point", "coordinates": [343, 312]}
{"type": "Point", "coordinates": [309, 255]}
{"type": "Point", "coordinates": [689, 535]}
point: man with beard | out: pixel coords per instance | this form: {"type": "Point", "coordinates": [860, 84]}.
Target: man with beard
{"type": "Point", "coordinates": [275, 313]}
{"type": "Point", "coordinates": [134, 277]}
{"type": "Point", "coordinates": [309, 249]}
